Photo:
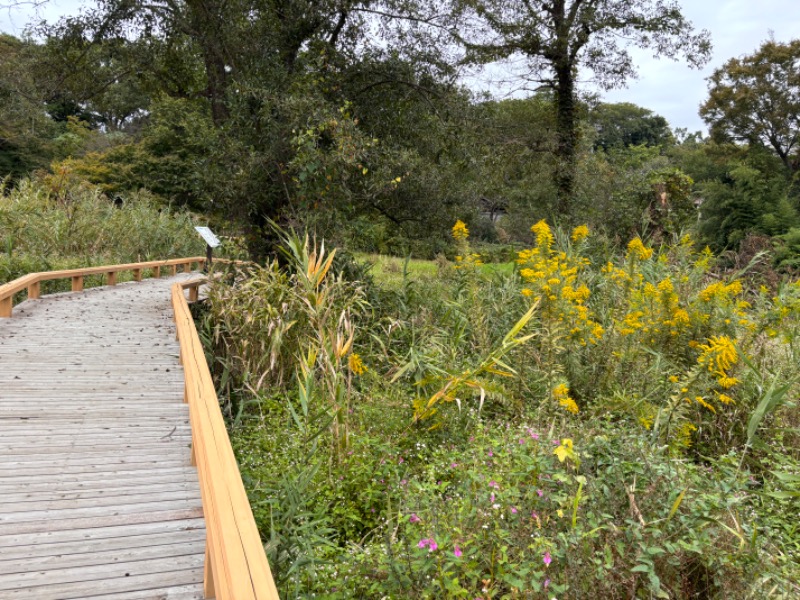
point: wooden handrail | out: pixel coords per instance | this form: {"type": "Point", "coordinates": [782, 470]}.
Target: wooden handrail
{"type": "Point", "coordinates": [236, 566]}
{"type": "Point", "coordinates": [32, 281]}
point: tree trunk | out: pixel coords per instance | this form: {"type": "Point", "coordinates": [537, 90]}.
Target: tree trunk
{"type": "Point", "coordinates": [206, 22]}
{"type": "Point", "coordinates": [567, 136]}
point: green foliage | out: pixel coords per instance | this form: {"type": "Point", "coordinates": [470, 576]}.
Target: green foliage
{"type": "Point", "coordinates": [755, 99]}
{"type": "Point", "coordinates": [748, 201]}
{"type": "Point", "coordinates": [56, 224]}
{"type": "Point", "coordinates": [569, 464]}
{"type": "Point", "coordinates": [625, 124]}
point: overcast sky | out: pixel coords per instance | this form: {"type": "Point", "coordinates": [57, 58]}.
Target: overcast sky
{"type": "Point", "coordinates": [670, 89]}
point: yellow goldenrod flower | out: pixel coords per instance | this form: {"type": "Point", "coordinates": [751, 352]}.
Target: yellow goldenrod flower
{"type": "Point", "coordinates": [561, 393]}
{"type": "Point", "coordinates": [460, 231]}
{"type": "Point", "coordinates": [637, 249]}
{"type": "Point", "coordinates": [581, 232]}
{"type": "Point", "coordinates": [704, 404]}
{"type": "Point", "coordinates": [356, 364]}
{"type": "Point", "coordinates": [724, 398]}
{"type": "Point", "coordinates": [544, 236]}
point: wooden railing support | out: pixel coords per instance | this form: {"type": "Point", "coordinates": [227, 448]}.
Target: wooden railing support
{"type": "Point", "coordinates": [137, 274]}
{"type": "Point", "coordinates": [5, 307]}
{"type": "Point", "coordinates": [34, 291]}
{"type": "Point", "coordinates": [111, 278]}
{"type": "Point", "coordinates": [77, 283]}
{"type": "Point", "coordinates": [156, 272]}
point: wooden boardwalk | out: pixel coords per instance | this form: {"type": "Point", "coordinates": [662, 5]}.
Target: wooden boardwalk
{"type": "Point", "coordinates": [98, 498]}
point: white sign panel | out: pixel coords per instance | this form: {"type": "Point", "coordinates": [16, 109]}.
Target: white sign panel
{"type": "Point", "coordinates": [208, 236]}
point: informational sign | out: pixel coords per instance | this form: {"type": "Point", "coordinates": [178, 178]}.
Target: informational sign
{"type": "Point", "coordinates": [208, 236]}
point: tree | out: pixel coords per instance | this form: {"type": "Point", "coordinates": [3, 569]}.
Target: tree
{"type": "Point", "coordinates": [756, 99]}
{"type": "Point", "coordinates": [556, 38]}
{"type": "Point", "coordinates": [625, 124]}
{"type": "Point", "coordinates": [26, 132]}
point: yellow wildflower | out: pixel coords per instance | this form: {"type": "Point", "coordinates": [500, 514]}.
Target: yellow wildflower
{"type": "Point", "coordinates": [704, 404]}
{"type": "Point", "coordinates": [561, 393]}
{"type": "Point", "coordinates": [460, 231]}
{"type": "Point", "coordinates": [544, 237]}
{"type": "Point", "coordinates": [356, 364]}
{"type": "Point", "coordinates": [637, 248]}
{"type": "Point", "coordinates": [581, 232]}
{"type": "Point", "coordinates": [724, 398]}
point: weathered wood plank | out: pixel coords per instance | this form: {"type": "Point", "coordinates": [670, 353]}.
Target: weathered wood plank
{"type": "Point", "coordinates": [97, 495]}
{"type": "Point", "coordinates": [118, 572]}
{"type": "Point", "coordinates": [166, 552]}
{"type": "Point", "coordinates": [91, 535]}
{"type": "Point", "coordinates": [135, 586]}
{"type": "Point", "coordinates": [99, 546]}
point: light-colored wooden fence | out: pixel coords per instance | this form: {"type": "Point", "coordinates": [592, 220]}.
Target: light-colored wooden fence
{"type": "Point", "coordinates": [236, 567]}
{"type": "Point", "coordinates": [32, 282]}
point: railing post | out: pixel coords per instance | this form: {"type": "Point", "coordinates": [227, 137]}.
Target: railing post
{"type": "Point", "coordinates": [77, 283]}
{"type": "Point", "coordinates": [34, 291]}
{"type": "Point", "coordinates": [156, 272]}
{"type": "Point", "coordinates": [6, 305]}
{"type": "Point", "coordinates": [208, 571]}
{"type": "Point", "coordinates": [137, 274]}
{"type": "Point", "coordinates": [174, 269]}
{"type": "Point", "coordinates": [194, 293]}
{"type": "Point", "coordinates": [187, 267]}
{"type": "Point", "coordinates": [111, 278]}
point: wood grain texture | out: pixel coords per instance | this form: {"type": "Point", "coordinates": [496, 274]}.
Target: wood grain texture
{"type": "Point", "coordinates": [97, 495]}
{"type": "Point", "coordinates": [236, 567]}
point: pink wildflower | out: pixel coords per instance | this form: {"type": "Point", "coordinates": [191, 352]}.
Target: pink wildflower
{"type": "Point", "coordinates": [457, 551]}
{"type": "Point", "coordinates": [546, 583]}
{"type": "Point", "coordinates": [492, 497]}
{"type": "Point", "coordinates": [513, 510]}
{"type": "Point", "coordinates": [491, 453]}
{"type": "Point", "coordinates": [433, 547]}
{"type": "Point", "coordinates": [494, 484]}
{"type": "Point", "coordinates": [423, 543]}
{"type": "Point", "coordinates": [547, 558]}
{"type": "Point", "coordinates": [540, 493]}
{"type": "Point", "coordinates": [414, 518]}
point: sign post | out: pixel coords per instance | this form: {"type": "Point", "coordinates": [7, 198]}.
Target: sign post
{"type": "Point", "coordinates": [211, 240]}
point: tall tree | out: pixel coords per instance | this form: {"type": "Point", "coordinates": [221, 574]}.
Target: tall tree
{"type": "Point", "coordinates": [556, 38]}
{"type": "Point", "coordinates": [756, 99]}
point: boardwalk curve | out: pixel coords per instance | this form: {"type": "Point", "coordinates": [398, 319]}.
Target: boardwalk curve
{"type": "Point", "coordinates": [98, 497]}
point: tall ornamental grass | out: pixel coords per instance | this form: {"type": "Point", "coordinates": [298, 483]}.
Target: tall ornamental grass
{"type": "Point", "coordinates": [47, 224]}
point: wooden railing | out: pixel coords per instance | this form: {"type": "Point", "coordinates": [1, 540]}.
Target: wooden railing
{"type": "Point", "coordinates": [32, 282]}
{"type": "Point", "coordinates": [236, 566]}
